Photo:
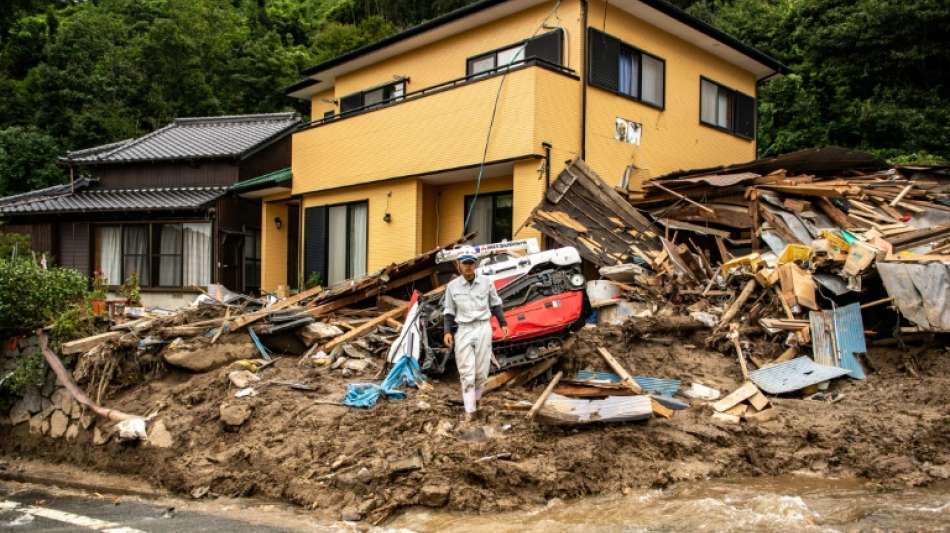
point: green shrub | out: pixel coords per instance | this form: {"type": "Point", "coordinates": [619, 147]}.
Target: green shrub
{"type": "Point", "coordinates": [13, 242]}
{"type": "Point", "coordinates": [31, 297]}
{"type": "Point", "coordinates": [30, 370]}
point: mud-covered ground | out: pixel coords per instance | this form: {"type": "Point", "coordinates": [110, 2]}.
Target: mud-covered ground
{"type": "Point", "coordinates": [892, 428]}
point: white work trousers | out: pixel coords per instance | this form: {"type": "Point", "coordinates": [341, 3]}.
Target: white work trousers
{"type": "Point", "coordinates": [473, 355]}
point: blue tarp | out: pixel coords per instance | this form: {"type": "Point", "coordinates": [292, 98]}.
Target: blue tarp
{"type": "Point", "coordinates": [405, 372]}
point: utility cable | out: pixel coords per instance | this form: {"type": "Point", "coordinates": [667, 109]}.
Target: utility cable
{"type": "Point", "coordinates": [494, 111]}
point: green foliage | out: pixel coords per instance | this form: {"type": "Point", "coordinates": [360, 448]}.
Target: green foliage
{"type": "Point", "coordinates": [85, 73]}
{"type": "Point", "coordinates": [314, 280]}
{"type": "Point", "coordinates": [75, 322]}
{"type": "Point", "coordinates": [30, 371]}
{"type": "Point", "coordinates": [28, 160]}
{"type": "Point", "coordinates": [131, 291]}
{"type": "Point", "coordinates": [31, 297]}
{"type": "Point", "coordinates": [10, 242]}
{"type": "Point", "coordinates": [868, 74]}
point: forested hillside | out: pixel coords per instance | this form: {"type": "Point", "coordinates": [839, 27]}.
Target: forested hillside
{"type": "Point", "coordinates": [74, 73]}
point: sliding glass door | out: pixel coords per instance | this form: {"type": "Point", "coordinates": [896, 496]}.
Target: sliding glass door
{"type": "Point", "coordinates": [346, 242]}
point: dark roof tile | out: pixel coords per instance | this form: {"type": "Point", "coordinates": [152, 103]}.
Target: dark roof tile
{"type": "Point", "coordinates": [194, 138]}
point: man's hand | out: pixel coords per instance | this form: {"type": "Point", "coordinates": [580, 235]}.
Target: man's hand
{"type": "Point", "coordinates": [504, 332]}
{"type": "Point", "coordinates": [448, 340]}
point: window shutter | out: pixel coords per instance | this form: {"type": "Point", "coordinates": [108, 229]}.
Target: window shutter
{"type": "Point", "coordinates": [546, 46]}
{"type": "Point", "coordinates": [315, 242]}
{"type": "Point", "coordinates": [351, 102]}
{"type": "Point", "coordinates": [604, 60]}
{"type": "Point", "coordinates": [745, 115]}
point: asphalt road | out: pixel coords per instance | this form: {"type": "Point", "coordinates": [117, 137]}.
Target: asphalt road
{"type": "Point", "coordinates": [36, 509]}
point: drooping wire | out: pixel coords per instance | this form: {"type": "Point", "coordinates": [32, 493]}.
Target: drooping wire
{"type": "Point", "coordinates": [494, 111]}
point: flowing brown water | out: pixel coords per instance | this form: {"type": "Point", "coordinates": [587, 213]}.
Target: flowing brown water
{"type": "Point", "coordinates": [787, 504]}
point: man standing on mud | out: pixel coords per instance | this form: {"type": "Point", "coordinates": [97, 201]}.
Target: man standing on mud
{"type": "Point", "coordinates": [470, 302]}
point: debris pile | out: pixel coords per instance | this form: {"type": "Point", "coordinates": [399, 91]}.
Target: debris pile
{"type": "Point", "coordinates": [774, 259]}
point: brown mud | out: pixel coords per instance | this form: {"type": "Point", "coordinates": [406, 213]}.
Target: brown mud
{"type": "Point", "coordinates": [891, 429]}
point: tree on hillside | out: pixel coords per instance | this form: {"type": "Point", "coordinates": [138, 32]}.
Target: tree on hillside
{"type": "Point", "coordinates": [28, 160]}
{"type": "Point", "coordinates": [867, 74]}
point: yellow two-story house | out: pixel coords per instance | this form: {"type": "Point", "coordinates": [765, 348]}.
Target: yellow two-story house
{"type": "Point", "coordinates": [459, 124]}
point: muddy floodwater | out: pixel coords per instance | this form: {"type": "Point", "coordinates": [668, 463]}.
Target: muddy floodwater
{"type": "Point", "coordinates": [787, 504]}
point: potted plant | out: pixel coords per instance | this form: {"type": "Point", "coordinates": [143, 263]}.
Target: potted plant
{"type": "Point", "coordinates": [97, 297]}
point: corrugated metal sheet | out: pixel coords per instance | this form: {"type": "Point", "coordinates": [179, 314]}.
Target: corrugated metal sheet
{"type": "Point", "coordinates": [159, 199]}
{"type": "Point", "coordinates": [836, 336]}
{"type": "Point", "coordinates": [822, 338]}
{"type": "Point", "coordinates": [793, 375]}
{"type": "Point", "coordinates": [716, 180]}
{"type": "Point", "coordinates": [194, 138]}
{"type": "Point", "coordinates": [849, 338]}
{"type": "Point", "coordinates": [561, 409]}
{"type": "Point", "coordinates": [661, 386]}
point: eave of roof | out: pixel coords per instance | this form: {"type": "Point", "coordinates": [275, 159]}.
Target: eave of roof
{"type": "Point", "coordinates": [267, 180]}
{"type": "Point", "coordinates": [117, 200]}
{"type": "Point", "coordinates": [231, 142]}
{"type": "Point", "coordinates": [660, 5]}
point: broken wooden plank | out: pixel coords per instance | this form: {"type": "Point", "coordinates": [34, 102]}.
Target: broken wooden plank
{"type": "Point", "coordinates": [88, 343]}
{"type": "Point", "coordinates": [759, 401]}
{"type": "Point", "coordinates": [544, 395]}
{"type": "Point", "coordinates": [746, 391]}
{"type": "Point", "coordinates": [734, 308]}
{"type": "Point", "coordinates": [532, 372]}
{"type": "Point", "coordinates": [900, 196]}
{"type": "Point", "coordinates": [625, 376]}
{"type": "Point", "coordinates": [365, 328]}
{"type": "Point", "coordinates": [249, 318]}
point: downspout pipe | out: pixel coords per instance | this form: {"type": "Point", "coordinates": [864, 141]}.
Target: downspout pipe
{"type": "Point", "coordinates": [583, 69]}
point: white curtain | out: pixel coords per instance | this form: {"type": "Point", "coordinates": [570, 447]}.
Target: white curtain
{"type": "Point", "coordinates": [336, 249]}
{"type": "Point", "coordinates": [110, 254]}
{"type": "Point", "coordinates": [169, 264]}
{"type": "Point", "coordinates": [652, 81]}
{"type": "Point", "coordinates": [724, 116]}
{"type": "Point", "coordinates": [135, 253]}
{"type": "Point", "coordinates": [197, 250]}
{"type": "Point", "coordinates": [358, 220]}
{"type": "Point", "coordinates": [629, 83]}
{"type": "Point", "coordinates": [708, 102]}
{"type": "Point", "coordinates": [480, 220]}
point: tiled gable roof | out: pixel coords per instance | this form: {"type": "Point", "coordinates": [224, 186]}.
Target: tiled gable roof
{"type": "Point", "coordinates": [194, 138]}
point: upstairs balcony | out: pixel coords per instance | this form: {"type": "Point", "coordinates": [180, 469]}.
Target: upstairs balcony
{"type": "Point", "coordinates": [442, 128]}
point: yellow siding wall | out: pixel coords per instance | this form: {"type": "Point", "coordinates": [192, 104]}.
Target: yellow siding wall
{"type": "Point", "coordinates": [387, 242]}
{"type": "Point", "coordinates": [437, 132]}
{"type": "Point", "coordinates": [273, 246]}
{"type": "Point", "coordinates": [319, 104]}
{"type": "Point", "coordinates": [445, 60]}
{"type": "Point", "coordinates": [529, 189]}
{"type": "Point", "coordinates": [451, 204]}
{"type": "Point", "coordinates": [672, 139]}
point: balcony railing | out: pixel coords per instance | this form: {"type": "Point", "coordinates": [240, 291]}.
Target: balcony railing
{"type": "Point", "coordinates": [445, 86]}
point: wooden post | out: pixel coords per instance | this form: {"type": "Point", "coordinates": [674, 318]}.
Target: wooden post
{"type": "Point", "coordinates": [544, 395]}
{"type": "Point", "coordinates": [735, 342]}
{"type": "Point", "coordinates": [365, 328]}
{"type": "Point", "coordinates": [733, 309]}
{"type": "Point", "coordinates": [625, 376]}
